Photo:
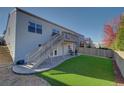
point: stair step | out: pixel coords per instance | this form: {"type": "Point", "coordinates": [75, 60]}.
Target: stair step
{"type": "Point", "coordinates": [46, 49]}
{"type": "Point", "coordinates": [28, 66]}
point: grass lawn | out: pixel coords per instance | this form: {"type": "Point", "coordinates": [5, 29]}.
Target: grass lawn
{"type": "Point", "coordinates": [81, 71]}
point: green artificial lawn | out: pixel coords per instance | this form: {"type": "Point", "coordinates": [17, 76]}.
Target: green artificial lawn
{"type": "Point", "coordinates": [81, 71]}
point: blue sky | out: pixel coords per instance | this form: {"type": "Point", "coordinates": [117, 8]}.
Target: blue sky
{"type": "Point", "coordinates": [87, 21]}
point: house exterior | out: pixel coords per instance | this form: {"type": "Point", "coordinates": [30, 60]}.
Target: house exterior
{"type": "Point", "coordinates": [29, 36]}
{"type": "Point", "coordinates": [2, 41]}
{"type": "Point", "coordinates": [88, 42]}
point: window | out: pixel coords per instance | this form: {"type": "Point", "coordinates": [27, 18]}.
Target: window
{"type": "Point", "coordinates": [39, 29]}
{"type": "Point", "coordinates": [67, 36]}
{"type": "Point", "coordinates": [81, 44]}
{"type": "Point", "coordinates": [36, 28]}
{"type": "Point", "coordinates": [54, 32]}
{"type": "Point", "coordinates": [31, 27]}
{"type": "Point", "coordinates": [55, 52]}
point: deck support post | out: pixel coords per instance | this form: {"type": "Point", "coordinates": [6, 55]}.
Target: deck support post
{"type": "Point", "coordinates": [52, 53]}
{"type": "Point", "coordinates": [63, 49]}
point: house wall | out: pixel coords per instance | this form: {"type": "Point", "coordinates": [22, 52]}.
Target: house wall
{"type": "Point", "coordinates": [21, 42]}
{"type": "Point", "coordinates": [72, 45]}
{"type": "Point", "coordinates": [27, 41]}
{"type": "Point", "coordinates": [10, 34]}
{"type": "Point", "coordinates": [62, 48]}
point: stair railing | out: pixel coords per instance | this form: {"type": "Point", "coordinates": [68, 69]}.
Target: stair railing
{"type": "Point", "coordinates": [35, 51]}
{"type": "Point", "coordinates": [46, 53]}
{"type": "Point", "coordinates": [38, 53]}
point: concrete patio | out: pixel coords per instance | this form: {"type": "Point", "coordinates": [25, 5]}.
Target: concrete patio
{"type": "Point", "coordinates": [48, 64]}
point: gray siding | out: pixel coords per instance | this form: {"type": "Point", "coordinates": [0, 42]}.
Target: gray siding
{"type": "Point", "coordinates": [21, 42]}
{"type": "Point", "coordinates": [10, 34]}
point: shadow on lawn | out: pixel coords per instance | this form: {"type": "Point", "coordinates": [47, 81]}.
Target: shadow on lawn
{"type": "Point", "coordinates": [53, 81]}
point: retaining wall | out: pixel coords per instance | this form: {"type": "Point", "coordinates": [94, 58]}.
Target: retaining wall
{"type": "Point", "coordinates": [119, 58]}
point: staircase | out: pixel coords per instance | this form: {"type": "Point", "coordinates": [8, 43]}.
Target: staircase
{"type": "Point", "coordinates": [39, 55]}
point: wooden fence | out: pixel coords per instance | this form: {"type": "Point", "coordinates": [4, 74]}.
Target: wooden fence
{"type": "Point", "coordinates": [96, 52]}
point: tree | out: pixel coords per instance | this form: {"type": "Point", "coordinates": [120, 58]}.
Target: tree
{"type": "Point", "coordinates": [120, 40]}
{"type": "Point", "coordinates": [109, 36]}
{"type": "Point", "coordinates": [120, 35]}
{"type": "Point", "coordinates": [114, 34]}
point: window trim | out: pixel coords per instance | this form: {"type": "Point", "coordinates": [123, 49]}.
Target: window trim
{"type": "Point", "coordinates": [30, 26]}
{"type": "Point", "coordinates": [56, 52]}
{"type": "Point", "coordinates": [35, 27]}
{"type": "Point", "coordinates": [38, 27]}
